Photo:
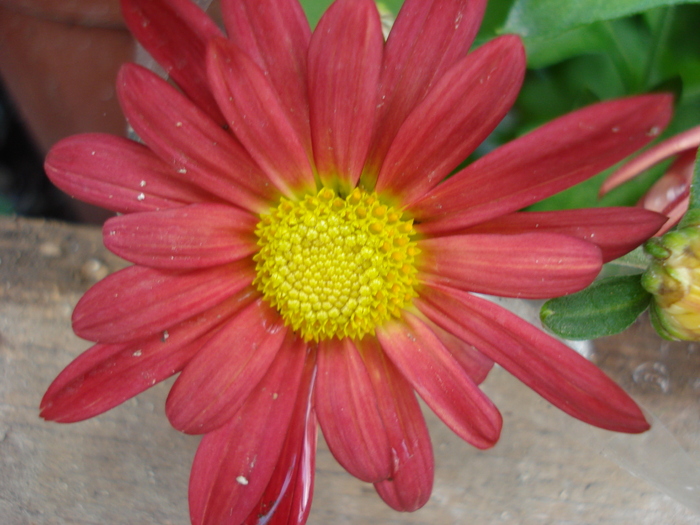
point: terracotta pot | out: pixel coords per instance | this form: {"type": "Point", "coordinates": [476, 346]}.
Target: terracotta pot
{"type": "Point", "coordinates": [59, 59]}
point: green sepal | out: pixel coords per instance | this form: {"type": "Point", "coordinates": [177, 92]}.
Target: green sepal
{"type": "Point", "coordinates": [607, 307]}
{"type": "Point", "coordinates": [661, 324]}
{"type": "Point", "coordinates": [656, 248]}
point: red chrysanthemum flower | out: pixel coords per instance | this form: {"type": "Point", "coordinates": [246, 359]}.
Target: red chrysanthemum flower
{"type": "Point", "coordinates": [299, 257]}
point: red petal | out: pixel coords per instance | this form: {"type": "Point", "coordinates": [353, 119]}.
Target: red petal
{"type": "Point", "coordinates": [287, 498]}
{"type": "Point", "coordinates": [195, 236]}
{"type": "Point", "coordinates": [106, 375]}
{"type": "Point", "coordinates": [411, 481]}
{"type": "Point", "coordinates": [456, 115]}
{"type": "Point", "coordinates": [117, 174]}
{"type": "Point", "coordinates": [346, 405]}
{"type": "Point", "coordinates": [550, 159]}
{"type": "Point", "coordinates": [475, 364]}
{"type": "Point", "coordinates": [345, 58]}
{"type": "Point", "coordinates": [688, 140]}
{"type": "Point", "coordinates": [549, 367]}
{"type": "Point", "coordinates": [257, 117]}
{"type": "Point", "coordinates": [276, 36]}
{"type": "Point", "coordinates": [195, 146]}
{"type": "Point", "coordinates": [674, 185]}
{"type": "Point", "coordinates": [615, 231]}
{"type": "Point", "coordinates": [527, 265]}
{"type": "Point", "coordinates": [218, 380]}
{"type": "Point", "coordinates": [234, 464]}
{"type": "Point", "coordinates": [427, 39]}
{"type": "Point", "coordinates": [440, 381]}
{"type": "Point", "coordinates": [670, 194]}
{"type": "Point", "coordinates": [137, 302]}
{"type": "Point", "coordinates": [175, 33]}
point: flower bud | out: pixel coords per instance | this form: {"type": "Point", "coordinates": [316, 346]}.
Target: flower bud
{"type": "Point", "coordinates": [673, 278]}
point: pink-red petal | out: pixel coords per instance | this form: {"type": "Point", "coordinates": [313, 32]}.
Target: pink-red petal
{"type": "Point", "coordinates": [526, 265]}
{"type": "Point", "coordinates": [345, 57]}
{"type": "Point", "coordinates": [196, 236]}
{"type": "Point", "coordinates": [411, 481]}
{"type": "Point", "coordinates": [276, 36]}
{"type": "Point", "coordinates": [199, 150]}
{"type": "Point", "coordinates": [673, 185]}
{"type": "Point", "coordinates": [688, 140]}
{"type": "Point", "coordinates": [440, 380]}
{"type": "Point", "coordinates": [427, 39]}
{"type": "Point", "coordinates": [256, 115]}
{"type": "Point", "coordinates": [217, 381]}
{"type": "Point", "coordinates": [118, 174]}
{"type": "Point", "coordinates": [558, 155]}
{"type": "Point", "coordinates": [346, 406]}
{"type": "Point", "coordinates": [670, 194]}
{"type": "Point", "coordinates": [615, 231]}
{"type": "Point", "coordinates": [137, 302]}
{"type": "Point", "coordinates": [457, 114]}
{"type": "Point", "coordinates": [175, 33]}
{"type": "Point", "coordinates": [475, 364]}
{"type": "Point", "coordinates": [106, 375]}
{"type": "Point", "coordinates": [549, 367]}
{"type": "Point", "coordinates": [287, 497]}
{"type": "Point", "coordinates": [235, 463]}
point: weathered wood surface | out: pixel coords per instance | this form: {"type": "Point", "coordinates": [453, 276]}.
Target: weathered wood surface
{"type": "Point", "coordinates": [130, 467]}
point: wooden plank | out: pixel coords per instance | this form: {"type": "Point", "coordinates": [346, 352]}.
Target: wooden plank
{"type": "Point", "coordinates": [129, 467]}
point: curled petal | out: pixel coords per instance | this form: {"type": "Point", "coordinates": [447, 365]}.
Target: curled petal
{"type": "Point", "coordinates": [196, 236]}
{"type": "Point", "coordinates": [287, 497]}
{"type": "Point", "coordinates": [137, 302]}
{"type": "Point", "coordinates": [440, 380]}
{"type": "Point", "coordinates": [670, 194]}
{"type": "Point", "coordinates": [276, 36]}
{"type": "Point", "coordinates": [550, 368]}
{"type": "Point", "coordinates": [615, 231]}
{"type": "Point", "coordinates": [558, 155]}
{"type": "Point", "coordinates": [346, 405]}
{"type": "Point", "coordinates": [218, 380]}
{"type": "Point", "coordinates": [457, 114]}
{"type": "Point", "coordinates": [175, 33]}
{"type": "Point", "coordinates": [527, 265]}
{"type": "Point", "coordinates": [235, 463]}
{"type": "Point", "coordinates": [411, 481]}
{"type": "Point", "coordinates": [673, 185]}
{"type": "Point", "coordinates": [427, 39]}
{"type": "Point", "coordinates": [688, 140]}
{"type": "Point", "coordinates": [118, 174]}
{"type": "Point", "coordinates": [345, 58]}
{"type": "Point", "coordinates": [199, 151]}
{"type": "Point", "coordinates": [106, 375]}
{"type": "Point", "coordinates": [257, 117]}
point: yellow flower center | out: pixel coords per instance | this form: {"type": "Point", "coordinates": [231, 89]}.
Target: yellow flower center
{"type": "Point", "coordinates": [336, 267]}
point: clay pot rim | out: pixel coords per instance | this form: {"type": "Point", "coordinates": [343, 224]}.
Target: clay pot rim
{"type": "Point", "coordinates": [87, 13]}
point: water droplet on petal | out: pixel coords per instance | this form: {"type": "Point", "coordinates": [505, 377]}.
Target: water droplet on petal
{"type": "Point", "coordinates": [242, 480]}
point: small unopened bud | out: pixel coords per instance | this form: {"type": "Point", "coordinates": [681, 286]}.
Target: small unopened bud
{"type": "Point", "coordinates": [673, 278]}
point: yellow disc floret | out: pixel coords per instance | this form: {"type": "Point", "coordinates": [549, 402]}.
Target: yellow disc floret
{"type": "Point", "coordinates": [336, 267]}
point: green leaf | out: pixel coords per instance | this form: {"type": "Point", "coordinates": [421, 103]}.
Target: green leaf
{"type": "Point", "coordinates": [530, 18]}
{"type": "Point", "coordinates": [606, 307]}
